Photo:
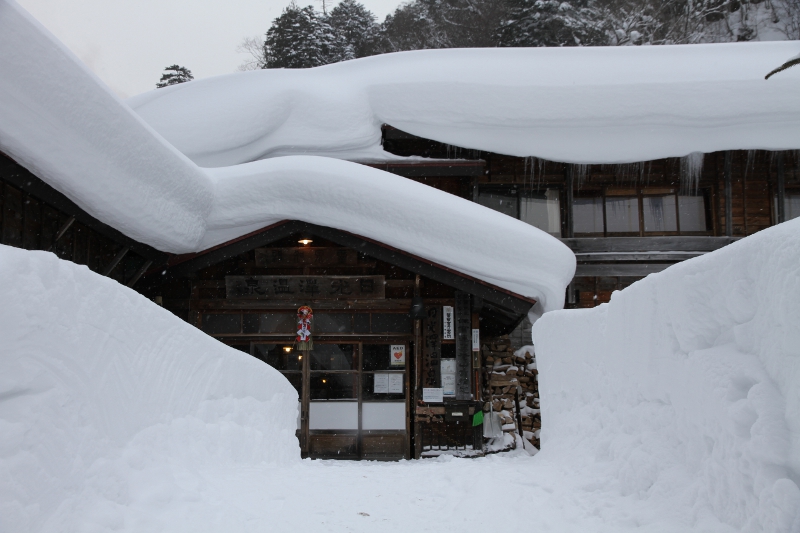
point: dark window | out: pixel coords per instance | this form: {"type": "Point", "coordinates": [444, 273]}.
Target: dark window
{"type": "Point", "coordinates": [361, 323]}
{"type": "Point", "coordinates": [331, 323]}
{"type": "Point", "coordinates": [333, 357]}
{"type": "Point", "coordinates": [279, 356]}
{"type": "Point", "coordinates": [328, 386]}
{"type": "Point", "coordinates": [219, 324]}
{"type": "Point", "coordinates": [541, 209]}
{"type": "Point", "coordinates": [296, 379]}
{"type": "Point", "coordinates": [692, 213]}
{"type": "Point", "coordinates": [502, 201]}
{"type": "Point", "coordinates": [377, 357]}
{"type": "Point", "coordinates": [391, 323]}
{"type": "Point", "coordinates": [250, 323]}
{"type": "Point", "coordinates": [277, 323]}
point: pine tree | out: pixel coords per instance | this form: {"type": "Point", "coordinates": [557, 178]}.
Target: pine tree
{"type": "Point", "coordinates": [357, 26]}
{"type": "Point", "coordinates": [552, 23]}
{"type": "Point", "coordinates": [173, 75]}
{"type": "Point", "coordinates": [300, 38]}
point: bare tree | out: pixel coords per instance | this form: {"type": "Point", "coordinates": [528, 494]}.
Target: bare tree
{"type": "Point", "coordinates": [254, 48]}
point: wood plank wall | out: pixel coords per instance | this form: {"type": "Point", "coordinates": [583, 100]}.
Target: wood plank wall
{"type": "Point", "coordinates": [28, 223]}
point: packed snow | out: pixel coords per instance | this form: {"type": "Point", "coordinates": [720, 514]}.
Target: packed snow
{"type": "Point", "coordinates": [685, 388]}
{"type": "Point", "coordinates": [58, 120]}
{"type": "Point", "coordinates": [572, 104]}
{"type": "Point", "coordinates": [673, 408]}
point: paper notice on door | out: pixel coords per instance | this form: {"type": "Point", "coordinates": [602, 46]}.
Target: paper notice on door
{"type": "Point", "coordinates": [449, 385]}
{"type": "Point", "coordinates": [395, 383]}
{"type": "Point", "coordinates": [381, 384]}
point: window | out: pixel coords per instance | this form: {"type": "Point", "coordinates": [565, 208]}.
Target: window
{"type": "Point", "coordinates": [791, 206]}
{"type": "Point", "coordinates": [539, 209]}
{"type": "Point", "coordinates": [622, 215]}
{"type": "Point", "coordinates": [640, 212]}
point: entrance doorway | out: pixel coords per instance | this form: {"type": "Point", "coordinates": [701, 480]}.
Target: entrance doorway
{"type": "Point", "coordinates": [354, 396]}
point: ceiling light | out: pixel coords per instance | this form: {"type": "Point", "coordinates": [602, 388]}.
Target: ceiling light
{"type": "Point", "coordinates": [305, 242]}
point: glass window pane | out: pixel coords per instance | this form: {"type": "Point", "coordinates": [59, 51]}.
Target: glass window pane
{"type": "Point", "coordinates": [391, 323]}
{"type": "Point", "coordinates": [278, 323]}
{"type": "Point", "coordinates": [361, 323]}
{"type": "Point", "coordinates": [389, 383]}
{"type": "Point", "coordinates": [659, 213]}
{"type": "Point", "coordinates": [693, 213]}
{"type": "Point", "coordinates": [377, 357]}
{"type": "Point", "coordinates": [622, 215]}
{"type": "Point", "coordinates": [279, 356]}
{"type": "Point", "coordinates": [505, 203]}
{"type": "Point", "coordinates": [333, 415]}
{"type": "Point", "coordinates": [250, 323]}
{"type": "Point", "coordinates": [325, 386]}
{"type": "Point", "coordinates": [296, 379]}
{"type": "Point", "coordinates": [542, 211]}
{"type": "Point", "coordinates": [792, 203]}
{"type": "Point", "coordinates": [333, 357]}
{"type": "Point", "coordinates": [218, 323]}
{"type": "Point", "coordinates": [588, 215]}
{"type": "Point", "coordinates": [331, 323]}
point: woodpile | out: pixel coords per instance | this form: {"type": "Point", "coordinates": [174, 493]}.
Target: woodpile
{"type": "Point", "coordinates": [503, 373]}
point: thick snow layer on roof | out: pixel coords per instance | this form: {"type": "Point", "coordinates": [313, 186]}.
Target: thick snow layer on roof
{"type": "Point", "coordinates": [62, 123]}
{"type": "Point", "coordinates": [578, 105]}
{"type": "Point", "coordinates": [686, 386]}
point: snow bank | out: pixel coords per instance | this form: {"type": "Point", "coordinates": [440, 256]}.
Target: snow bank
{"type": "Point", "coordinates": [578, 105]}
{"type": "Point", "coordinates": [686, 386]}
{"type": "Point", "coordinates": [58, 120]}
{"type": "Point", "coordinates": [104, 396]}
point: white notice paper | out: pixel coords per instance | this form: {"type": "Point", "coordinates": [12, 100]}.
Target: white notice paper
{"type": "Point", "coordinates": [432, 396]}
{"type": "Point", "coordinates": [395, 383]}
{"type": "Point", "coordinates": [449, 384]}
{"type": "Point", "coordinates": [476, 340]}
{"type": "Point", "coordinates": [448, 326]}
{"type": "Point", "coordinates": [381, 384]}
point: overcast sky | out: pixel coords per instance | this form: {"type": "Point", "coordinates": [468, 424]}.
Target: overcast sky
{"type": "Point", "coordinates": [129, 42]}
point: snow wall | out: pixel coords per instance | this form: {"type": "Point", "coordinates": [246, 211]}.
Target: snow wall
{"type": "Point", "coordinates": [686, 386]}
{"type": "Point", "coordinates": [102, 392]}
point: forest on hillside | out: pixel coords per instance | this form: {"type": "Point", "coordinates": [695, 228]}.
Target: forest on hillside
{"type": "Point", "coordinates": [304, 37]}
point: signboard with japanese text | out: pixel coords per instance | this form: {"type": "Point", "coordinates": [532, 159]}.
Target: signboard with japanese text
{"type": "Point", "coordinates": [431, 346]}
{"type": "Point", "coordinates": [398, 354]}
{"type": "Point", "coordinates": [305, 287]}
{"type": "Point", "coordinates": [463, 334]}
{"type": "Point", "coordinates": [448, 377]}
{"type": "Point", "coordinates": [448, 323]}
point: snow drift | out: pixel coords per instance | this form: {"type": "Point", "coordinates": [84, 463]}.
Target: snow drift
{"type": "Point", "coordinates": [103, 393]}
{"type": "Point", "coordinates": [60, 122]}
{"type": "Point", "coordinates": [573, 104]}
{"type": "Point", "coordinates": [686, 386]}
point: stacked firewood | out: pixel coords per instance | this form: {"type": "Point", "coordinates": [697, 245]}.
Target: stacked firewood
{"type": "Point", "coordinates": [505, 369]}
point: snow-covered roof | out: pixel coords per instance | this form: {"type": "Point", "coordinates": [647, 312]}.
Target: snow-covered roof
{"type": "Point", "coordinates": [63, 124]}
{"type": "Point", "coordinates": [577, 105]}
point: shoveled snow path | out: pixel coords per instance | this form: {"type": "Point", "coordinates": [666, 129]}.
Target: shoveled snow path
{"type": "Point", "coordinates": [505, 492]}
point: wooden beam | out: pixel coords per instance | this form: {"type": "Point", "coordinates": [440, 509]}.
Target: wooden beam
{"type": "Point", "coordinates": [139, 273]}
{"type": "Point", "coordinates": [781, 208]}
{"type": "Point", "coordinates": [625, 270]}
{"type": "Point", "coordinates": [596, 245]}
{"type": "Point", "coordinates": [728, 194]}
{"type": "Point", "coordinates": [18, 176]}
{"type": "Point", "coordinates": [114, 262]}
{"type": "Point", "coordinates": [61, 231]}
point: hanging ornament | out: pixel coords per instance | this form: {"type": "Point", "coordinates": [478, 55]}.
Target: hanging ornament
{"type": "Point", "coordinates": [304, 341]}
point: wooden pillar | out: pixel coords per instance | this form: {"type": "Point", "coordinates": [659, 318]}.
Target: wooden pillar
{"type": "Point", "coordinates": [305, 400]}
{"type": "Point", "coordinates": [476, 358]}
{"type": "Point", "coordinates": [781, 207]}
{"type": "Point", "coordinates": [569, 178]}
{"type": "Point", "coordinates": [728, 195]}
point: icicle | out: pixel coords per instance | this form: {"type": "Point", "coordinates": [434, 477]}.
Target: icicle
{"type": "Point", "coordinates": [579, 172]}
{"type": "Point", "coordinates": [691, 169]}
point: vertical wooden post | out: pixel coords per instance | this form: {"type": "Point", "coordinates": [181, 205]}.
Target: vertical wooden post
{"type": "Point", "coordinates": [305, 400]}
{"type": "Point", "coordinates": [476, 360]}
{"type": "Point", "coordinates": [570, 220]}
{"type": "Point", "coordinates": [728, 195]}
{"type": "Point", "coordinates": [781, 207]}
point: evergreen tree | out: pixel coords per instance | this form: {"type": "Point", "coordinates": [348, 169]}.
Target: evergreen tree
{"type": "Point", "coordinates": [552, 23]}
{"type": "Point", "coordinates": [357, 26]}
{"type": "Point", "coordinates": [173, 75]}
{"type": "Point", "coordinates": [300, 38]}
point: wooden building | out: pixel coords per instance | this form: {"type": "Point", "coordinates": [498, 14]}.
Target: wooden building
{"type": "Point", "coordinates": [387, 324]}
